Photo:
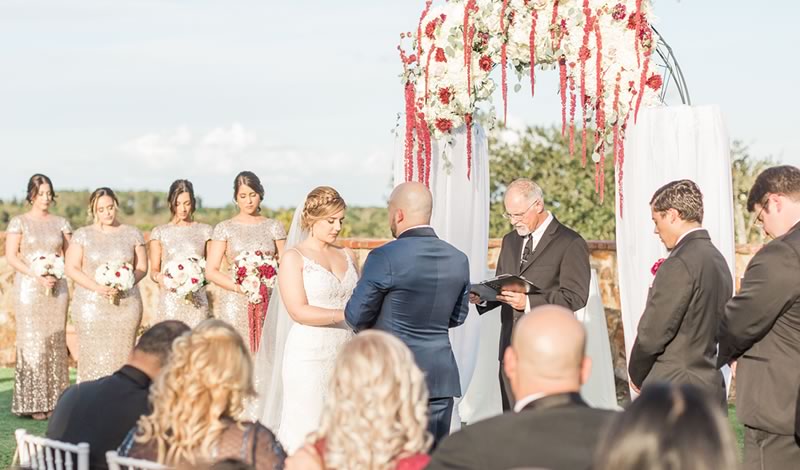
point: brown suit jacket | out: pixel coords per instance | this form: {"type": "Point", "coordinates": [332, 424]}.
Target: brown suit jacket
{"type": "Point", "coordinates": [558, 267]}
{"type": "Point", "coordinates": [676, 340]}
{"type": "Point", "coordinates": [558, 432]}
{"type": "Point", "coordinates": [761, 329]}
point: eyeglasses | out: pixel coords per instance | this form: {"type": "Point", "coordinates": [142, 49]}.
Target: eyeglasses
{"type": "Point", "coordinates": [758, 222]}
{"type": "Point", "coordinates": [510, 217]}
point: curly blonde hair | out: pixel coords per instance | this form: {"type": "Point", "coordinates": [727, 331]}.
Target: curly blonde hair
{"type": "Point", "coordinates": [209, 376]}
{"type": "Point", "coordinates": [321, 202]}
{"type": "Point", "coordinates": [377, 408]}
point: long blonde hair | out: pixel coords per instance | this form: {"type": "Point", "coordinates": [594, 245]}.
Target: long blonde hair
{"type": "Point", "coordinates": [208, 377]}
{"type": "Point", "coordinates": [377, 408]}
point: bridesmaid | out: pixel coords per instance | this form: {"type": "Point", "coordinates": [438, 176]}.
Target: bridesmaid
{"type": "Point", "coordinates": [40, 304]}
{"type": "Point", "coordinates": [106, 330]}
{"type": "Point", "coordinates": [247, 231]}
{"type": "Point", "coordinates": [181, 238]}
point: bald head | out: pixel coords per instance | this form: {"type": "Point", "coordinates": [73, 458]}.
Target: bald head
{"type": "Point", "coordinates": [410, 204]}
{"type": "Point", "coordinates": [548, 351]}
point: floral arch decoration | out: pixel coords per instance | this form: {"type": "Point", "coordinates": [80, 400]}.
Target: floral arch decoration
{"type": "Point", "coordinates": [602, 49]}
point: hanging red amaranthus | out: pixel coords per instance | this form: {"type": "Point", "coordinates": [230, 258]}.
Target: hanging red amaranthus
{"type": "Point", "coordinates": [504, 59]}
{"type": "Point", "coordinates": [554, 25]}
{"type": "Point", "coordinates": [583, 56]}
{"type": "Point", "coordinates": [410, 98]}
{"type": "Point", "coordinates": [468, 125]}
{"type": "Point", "coordinates": [469, 34]}
{"type": "Point", "coordinates": [562, 85]}
{"type": "Point", "coordinates": [532, 45]}
{"type": "Point", "coordinates": [642, 83]}
{"type": "Point", "coordinates": [600, 113]}
{"type": "Point", "coordinates": [572, 102]}
{"type": "Point", "coordinates": [427, 67]}
{"type": "Point", "coordinates": [616, 134]}
{"type": "Point", "coordinates": [423, 150]}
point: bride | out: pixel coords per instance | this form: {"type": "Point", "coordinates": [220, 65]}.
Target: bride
{"type": "Point", "coordinates": [304, 327]}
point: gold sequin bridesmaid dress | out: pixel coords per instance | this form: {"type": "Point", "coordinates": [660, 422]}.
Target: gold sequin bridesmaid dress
{"type": "Point", "coordinates": [106, 331]}
{"type": "Point", "coordinates": [41, 372]}
{"type": "Point", "coordinates": [181, 241]}
{"type": "Point", "coordinates": [240, 237]}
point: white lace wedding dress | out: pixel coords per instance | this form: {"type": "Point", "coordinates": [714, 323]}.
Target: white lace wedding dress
{"type": "Point", "coordinates": [310, 352]}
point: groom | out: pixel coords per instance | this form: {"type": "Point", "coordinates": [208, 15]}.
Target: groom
{"type": "Point", "coordinates": [416, 288]}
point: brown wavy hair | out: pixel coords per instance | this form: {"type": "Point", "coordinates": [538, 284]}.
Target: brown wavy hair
{"type": "Point", "coordinates": [177, 188]}
{"type": "Point", "coordinates": [34, 183]}
{"type": "Point", "coordinates": [321, 202]}
{"type": "Point", "coordinates": [208, 377]}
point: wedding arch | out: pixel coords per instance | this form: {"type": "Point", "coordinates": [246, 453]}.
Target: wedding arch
{"type": "Point", "coordinates": [603, 51]}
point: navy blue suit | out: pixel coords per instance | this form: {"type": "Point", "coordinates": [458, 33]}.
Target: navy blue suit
{"type": "Point", "coordinates": [416, 288]}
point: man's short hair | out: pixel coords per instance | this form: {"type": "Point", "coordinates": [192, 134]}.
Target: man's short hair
{"type": "Point", "coordinates": [684, 196]}
{"type": "Point", "coordinates": [157, 340]}
{"type": "Point", "coordinates": [784, 179]}
{"type": "Point", "coordinates": [530, 190]}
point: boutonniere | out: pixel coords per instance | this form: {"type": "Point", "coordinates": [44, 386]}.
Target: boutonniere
{"type": "Point", "coordinates": [657, 265]}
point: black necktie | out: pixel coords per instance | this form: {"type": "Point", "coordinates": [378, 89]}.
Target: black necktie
{"type": "Point", "coordinates": [526, 252]}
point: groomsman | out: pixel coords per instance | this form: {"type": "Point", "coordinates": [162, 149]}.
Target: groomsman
{"type": "Point", "coordinates": [760, 329]}
{"type": "Point", "coordinates": [542, 250]}
{"type": "Point", "coordinates": [676, 340]}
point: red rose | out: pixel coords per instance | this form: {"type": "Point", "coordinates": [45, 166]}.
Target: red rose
{"type": "Point", "coordinates": [259, 253]}
{"type": "Point", "coordinates": [117, 274]}
{"type": "Point", "coordinates": [440, 57]}
{"type": "Point", "coordinates": [195, 281]}
{"type": "Point", "coordinates": [486, 63]}
{"type": "Point", "coordinates": [657, 265]}
{"type": "Point", "coordinates": [270, 272]}
{"type": "Point", "coordinates": [412, 58]}
{"type": "Point", "coordinates": [241, 272]}
{"type": "Point", "coordinates": [180, 267]}
{"type": "Point", "coordinates": [444, 125]}
{"type": "Point", "coordinates": [444, 95]}
{"type": "Point", "coordinates": [634, 20]}
{"type": "Point", "coordinates": [619, 11]}
{"type": "Point", "coordinates": [430, 29]}
{"type": "Point", "coordinates": [655, 81]}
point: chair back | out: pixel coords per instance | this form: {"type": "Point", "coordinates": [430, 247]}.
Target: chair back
{"type": "Point", "coordinates": [40, 453]}
{"type": "Point", "coordinates": [115, 462]}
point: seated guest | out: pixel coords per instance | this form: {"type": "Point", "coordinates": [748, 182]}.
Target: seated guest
{"type": "Point", "coordinates": [669, 427]}
{"type": "Point", "coordinates": [197, 402]}
{"type": "Point", "coordinates": [551, 426]}
{"type": "Point", "coordinates": [376, 414]}
{"type": "Point", "coordinates": [676, 340]}
{"type": "Point", "coordinates": [102, 411]}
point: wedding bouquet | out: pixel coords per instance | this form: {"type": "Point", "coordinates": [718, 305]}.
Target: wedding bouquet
{"type": "Point", "coordinates": [48, 265]}
{"type": "Point", "coordinates": [117, 275]}
{"type": "Point", "coordinates": [255, 272]}
{"type": "Point", "coordinates": [185, 276]}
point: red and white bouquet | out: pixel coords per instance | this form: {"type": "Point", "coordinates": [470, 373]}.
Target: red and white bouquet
{"type": "Point", "coordinates": [185, 276]}
{"type": "Point", "coordinates": [118, 275]}
{"type": "Point", "coordinates": [48, 265]}
{"type": "Point", "coordinates": [256, 273]}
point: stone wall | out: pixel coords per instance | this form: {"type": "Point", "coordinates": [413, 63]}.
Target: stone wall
{"type": "Point", "coordinates": [603, 259]}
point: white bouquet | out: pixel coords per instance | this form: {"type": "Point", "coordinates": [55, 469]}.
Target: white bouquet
{"type": "Point", "coordinates": [185, 276]}
{"type": "Point", "coordinates": [48, 265]}
{"type": "Point", "coordinates": [117, 275]}
{"type": "Point", "coordinates": [255, 272]}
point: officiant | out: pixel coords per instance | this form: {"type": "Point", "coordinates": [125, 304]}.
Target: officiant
{"type": "Point", "coordinates": [554, 258]}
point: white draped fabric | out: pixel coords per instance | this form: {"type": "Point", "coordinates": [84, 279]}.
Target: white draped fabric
{"type": "Point", "coordinates": [461, 217]}
{"type": "Point", "coordinates": [669, 143]}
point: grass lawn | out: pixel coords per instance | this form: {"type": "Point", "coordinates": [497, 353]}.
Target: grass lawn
{"type": "Point", "coordinates": [9, 422]}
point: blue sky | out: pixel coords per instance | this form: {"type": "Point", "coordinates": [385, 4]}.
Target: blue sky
{"type": "Point", "coordinates": [135, 93]}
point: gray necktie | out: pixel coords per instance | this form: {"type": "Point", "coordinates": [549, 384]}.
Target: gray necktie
{"type": "Point", "coordinates": [526, 252]}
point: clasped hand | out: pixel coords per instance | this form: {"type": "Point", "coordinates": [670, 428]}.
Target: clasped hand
{"type": "Point", "coordinates": [516, 300]}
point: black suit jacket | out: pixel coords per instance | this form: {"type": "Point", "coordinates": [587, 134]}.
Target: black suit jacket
{"type": "Point", "coordinates": [557, 432]}
{"type": "Point", "coordinates": [559, 267]}
{"type": "Point", "coordinates": [676, 340]}
{"type": "Point", "coordinates": [101, 412]}
{"type": "Point", "coordinates": [761, 329]}
{"type": "Point", "coordinates": [416, 288]}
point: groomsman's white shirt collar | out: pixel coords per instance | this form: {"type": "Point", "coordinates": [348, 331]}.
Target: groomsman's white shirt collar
{"type": "Point", "coordinates": [684, 235]}
{"type": "Point", "coordinates": [518, 406]}
{"type": "Point", "coordinates": [412, 228]}
{"type": "Point", "coordinates": [536, 237]}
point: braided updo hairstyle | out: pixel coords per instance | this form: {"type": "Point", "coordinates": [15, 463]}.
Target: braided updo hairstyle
{"type": "Point", "coordinates": [321, 202]}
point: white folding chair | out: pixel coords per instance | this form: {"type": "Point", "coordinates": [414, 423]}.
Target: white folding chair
{"type": "Point", "coordinates": [40, 453]}
{"type": "Point", "coordinates": [115, 462]}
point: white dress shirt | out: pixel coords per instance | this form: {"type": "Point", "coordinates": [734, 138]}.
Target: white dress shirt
{"type": "Point", "coordinates": [525, 401]}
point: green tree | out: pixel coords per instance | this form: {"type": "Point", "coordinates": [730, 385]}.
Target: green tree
{"type": "Point", "coordinates": [744, 170]}
{"type": "Point", "coordinates": [542, 155]}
